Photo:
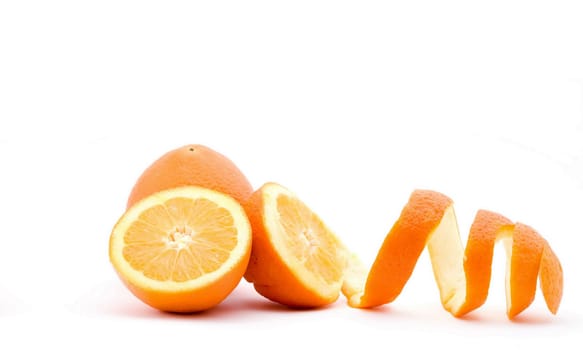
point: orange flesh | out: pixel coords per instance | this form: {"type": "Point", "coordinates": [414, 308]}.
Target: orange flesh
{"type": "Point", "coordinates": [180, 240]}
{"type": "Point", "coordinates": [308, 239]}
{"type": "Point", "coordinates": [295, 259]}
{"type": "Point", "coordinates": [183, 249]}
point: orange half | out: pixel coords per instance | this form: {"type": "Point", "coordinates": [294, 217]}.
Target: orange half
{"type": "Point", "coordinates": [296, 260]}
{"type": "Point", "coordinates": [182, 250]}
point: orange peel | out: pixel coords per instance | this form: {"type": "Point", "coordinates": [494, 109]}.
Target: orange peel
{"type": "Point", "coordinates": [463, 276]}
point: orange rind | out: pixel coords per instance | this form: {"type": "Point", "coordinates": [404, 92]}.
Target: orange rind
{"type": "Point", "coordinates": [183, 249]}
{"type": "Point", "coordinates": [462, 276]}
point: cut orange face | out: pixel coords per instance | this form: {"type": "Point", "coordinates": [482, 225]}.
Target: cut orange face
{"type": "Point", "coordinates": [295, 260]}
{"type": "Point", "coordinates": [183, 249]}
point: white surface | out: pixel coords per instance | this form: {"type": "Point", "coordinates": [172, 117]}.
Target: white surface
{"type": "Point", "coordinates": [351, 105]}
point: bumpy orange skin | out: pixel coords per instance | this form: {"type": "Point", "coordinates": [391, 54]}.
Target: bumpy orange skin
{"type": "Point", "coordinates": [531, 258]}
{"type": "Point", "coordinates": [551, 278]}
{"type": "Point", "coordinates": [527, 250]}
{"type": "Point", "coordinates": [192, 165]}
{"type": "Point", "coordinates": [402, 247]}
{"type": "Point", "coordinates": [486, 228]}
{"type": "Point", "coordinates": [266, 270]}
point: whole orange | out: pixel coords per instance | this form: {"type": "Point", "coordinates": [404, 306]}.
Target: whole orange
{"type": "Point", "coordinates": [192, 165]}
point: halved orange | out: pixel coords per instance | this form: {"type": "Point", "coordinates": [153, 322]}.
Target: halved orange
{"type": "Point", "coordinates": [296, 260]}
{"type": "Point", "coordinates": [183, 249]}
{"type": "Point", "coordinates": [463, 278]}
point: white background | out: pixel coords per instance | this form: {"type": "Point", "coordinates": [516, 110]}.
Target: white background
{"type": "Point", "coordinates": [350, 104]}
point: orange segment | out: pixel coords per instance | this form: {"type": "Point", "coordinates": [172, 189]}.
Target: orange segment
{"type": "Point", "coordinates": [295, 260]}
{"type": "Point", "coordinates": [183, 249]}
{"type": "Point", "coordinates": [463, 279]}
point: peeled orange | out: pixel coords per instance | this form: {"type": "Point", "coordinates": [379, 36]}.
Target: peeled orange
{"type": "Point", "coordinates": [183, 249]}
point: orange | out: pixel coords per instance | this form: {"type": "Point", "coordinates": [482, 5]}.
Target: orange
{"type": "Point", "coordinates": [183, 249]}
{"type": "Point", "coordinates": [463, 278]}
{"type": "Point", "coordinates": [192, 165]}
{"type": "Point", "coordinates": [295, 259]}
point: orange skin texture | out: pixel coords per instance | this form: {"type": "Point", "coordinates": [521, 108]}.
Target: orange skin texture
{"type": "Point", "coordinates": [551, 279]}
{"type": "Point", "coordinates": [402, 247]}
{"type": "Point", "coordinates": [527, 249]}
{"type": "Point", "coordinates": [484, 232]}
{"type": "Point", "coordinates": [532, 257]}
{"type": "Point", "coordinates": [270, 276]}
{"type": "Point", "coordinates": [192, 165]}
